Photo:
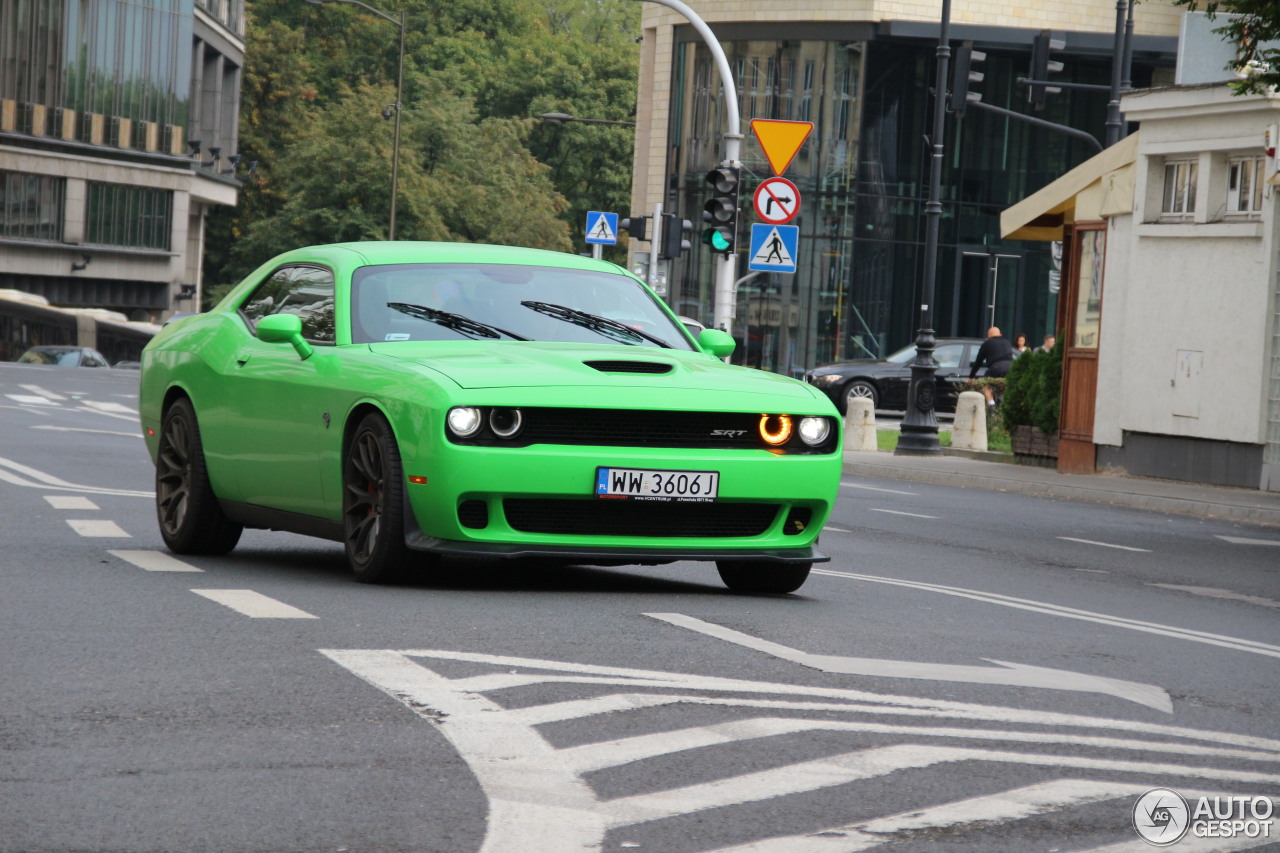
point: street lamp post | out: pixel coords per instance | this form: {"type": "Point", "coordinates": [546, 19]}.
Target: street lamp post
{"type": "Point", "coordinates": [561, 118]}
{"type": "Point", "coordinates": [919, 434]}
{"type": "Point", "coordinates": [399, 21]}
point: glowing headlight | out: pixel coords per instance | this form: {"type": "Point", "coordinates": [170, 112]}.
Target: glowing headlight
{"type": "Point", "coordinates": [814, 431]}
{"type": "Point", "coordinates": [464, 421]}
{"type": "Point", "coordinates": [775, 429]}
{"type": "Point", "coordinates": [505, 423]}
{"type": "Point", "coordinates": [828, 379]}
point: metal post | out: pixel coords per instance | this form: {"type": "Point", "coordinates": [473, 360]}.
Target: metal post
{"type": "Point", "coordinates": [1126, 83]}
{"type": "Point", "coordinates": [655, 243]}
{"type": "Point", "coordinates": [919, 434]}
{"type": "Point", "coordinates": [1115, 122]}
{"type": "Point", "coordinates": [395, 145]}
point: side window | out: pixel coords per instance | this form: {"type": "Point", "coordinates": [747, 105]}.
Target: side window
{"type": "Point", "coordinates": [302, 290]}
{"type": "Point", "coordinates": [949, 355]}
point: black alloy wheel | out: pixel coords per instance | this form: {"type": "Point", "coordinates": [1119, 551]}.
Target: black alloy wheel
{"type": "Point", "coordinates": [191, 522]}
{"type": "Point", "coordinates": [763, 577]}
{"type": "Point", "coordinates": [373, 504]}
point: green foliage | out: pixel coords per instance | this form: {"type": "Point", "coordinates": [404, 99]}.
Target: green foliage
{"type": "Point", "coordinates": [1046, 405]}
{"type": "Point", "coordinates": [1033, 390]}
{"type": "Point", "coordinates": [1254, 22]}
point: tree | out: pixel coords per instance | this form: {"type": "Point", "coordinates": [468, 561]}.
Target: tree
{"type": "Point", "coordinates": [1251, 24]}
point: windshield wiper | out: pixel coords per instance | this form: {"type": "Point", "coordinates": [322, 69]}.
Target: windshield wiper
{"type": "Point", "coordinates": [457, 322]}
{"type": "Point", "coordinates": [594, 322]}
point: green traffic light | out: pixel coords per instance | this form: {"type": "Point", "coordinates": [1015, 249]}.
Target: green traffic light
{"type": "Point", "coordinates": [719, 242]}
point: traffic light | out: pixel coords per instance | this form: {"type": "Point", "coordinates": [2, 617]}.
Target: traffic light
{"type": "Point", "coordinates": [1041, 67]}
{"type": "Point", "coordinates": [636, 226]}
{"type": "Point", "coordinates": [963, 74]}
{"type": "Point", "coordinates": [721, 211]}
{"type": "Point", "coordinates": [675, 236]}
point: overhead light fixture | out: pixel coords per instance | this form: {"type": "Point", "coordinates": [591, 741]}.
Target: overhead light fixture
{"type": "Point", "coordinates": [194, 145]}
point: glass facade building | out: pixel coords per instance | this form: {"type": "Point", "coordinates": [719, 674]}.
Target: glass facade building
{"type": "Point", "coordinates": [863, 179]}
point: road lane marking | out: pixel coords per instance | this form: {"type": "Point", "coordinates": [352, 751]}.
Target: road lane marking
{"type": "Point", "coordinates": [836, 529]}
{"type": "Point", "coordinates": [1003, 673]}
{"type": "Point", "coordinates": [95, 527]}
{"type": "Point", "coordinates": [900, 512]}
{"type": "Point", "coordinates": [37, 390]}
{"type": "Point", "coordinates": [849, 485]}
{"type": "Point", "coordinates": [109, 408]}
{"type": "Point", "coordinates": [1105, 544]}
{"type": "Point", "coordinates": [154, 561]}
{"type": "Point", "coordinates": [30, 400]}
{"type": "Point", "coordinates": [1241, 540]}
{"type": "Point", "coordinates": [70, 502]}
{"type": "Point", "coordinates": [1214, 592]}
{"type": "Point", "coordinates": [1205, 637]}
{"type": "Point", "coordinates": [18, 474]}
{"type": "Point", "coordinates": [82, 429]}
{"type": "Point", "coordinates": [253, 604]}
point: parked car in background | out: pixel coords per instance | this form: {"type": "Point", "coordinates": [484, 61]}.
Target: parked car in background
{"type": "Point", "coordinates": [884, 381]}
{"type": "Point", "coordinates": [426, 399]}
{"type": "Point", "coordinates": [64, 356]}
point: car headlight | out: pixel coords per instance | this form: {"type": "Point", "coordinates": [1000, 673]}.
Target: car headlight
{"type": "Point", "coordinates": [775, 429]}
{"type": "Point", "coordinates": [826, 380]}
{"type": "Point", "coordinates": [505, 422]}
{"type": "Point", "coordinates": [814, 431]}
{"type": "Point", "coordinates": [464, 421]}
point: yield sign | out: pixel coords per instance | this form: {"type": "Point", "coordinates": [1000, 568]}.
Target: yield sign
{"type": "Point", "coordinates": [780, 140]}
{"type": "Point", "coordinates": [777, 200]}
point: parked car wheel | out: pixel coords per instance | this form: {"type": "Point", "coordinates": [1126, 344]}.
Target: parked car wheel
{"type": "Point", "coordinates": [747, 576]}
{"type": "Point", "coordinates": [373, 504]}
{"type": "Point", "coordinates": [861, 388]}
{"type": "Point", "coordinates": [191, 522]}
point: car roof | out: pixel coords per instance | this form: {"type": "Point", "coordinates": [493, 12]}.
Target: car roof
{"type": "Point", "coordinates": [422, 251]}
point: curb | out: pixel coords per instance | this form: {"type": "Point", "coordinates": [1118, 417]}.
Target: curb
{"type": "Point", "coordinates": [1136, 500]}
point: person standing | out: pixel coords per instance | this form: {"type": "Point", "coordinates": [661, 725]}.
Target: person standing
{"type": "Point", "coordinates": [1020, 345]}
{"type": "Point", "coordinates": [1049, 341]}
{"type": "Point", "coordinates": [996, 354]}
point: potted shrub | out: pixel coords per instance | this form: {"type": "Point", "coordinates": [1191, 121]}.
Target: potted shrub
{"type": "Point", "coordinates": [1031, 405]}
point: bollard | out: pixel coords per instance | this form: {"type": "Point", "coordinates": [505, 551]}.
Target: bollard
{"type": "Point", "coordinates": [860, 425]}
{"type": "Point", "coordinates": [969, 432]}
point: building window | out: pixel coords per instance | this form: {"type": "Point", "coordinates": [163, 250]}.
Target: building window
{"type": "Point", "coordinates": [126, 215]}
{"type": "Point", "coordinates": [33, 206]}
{"type": "Point", "coordinates": [1246, 176]}
{"type": "Point", "coordinates": [1179, 190]}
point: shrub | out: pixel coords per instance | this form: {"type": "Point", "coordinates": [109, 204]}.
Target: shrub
{"type": "Point", "coordinates": [1046, 408]}
{"type": "Point", "coordinates": [1020, 385]}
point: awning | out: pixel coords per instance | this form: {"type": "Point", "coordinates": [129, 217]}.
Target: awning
{"type": "Point", "coordinates": [1042, 215]}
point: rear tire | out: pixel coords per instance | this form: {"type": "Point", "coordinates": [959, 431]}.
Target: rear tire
{"type": "Point", "coordinates": [373, 504]}
{"type": "Point", "coordinates": [191, 522]}
{"type": "Point", "coordinates": [763, 577]}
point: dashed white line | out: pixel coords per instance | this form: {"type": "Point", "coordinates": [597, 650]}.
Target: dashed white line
{"type": "Point", "coordinates": [849, 485]}
{"type": "Point", "coordinates": [1105, 544]}
{"type": "Point", "coordinates": [70, 502]}
{"type": "Point", "coordinates": [900, 512]}
{"type": "Point", "coordinates": [1214, 592]}
{"type": "Point", "coordinates": [1242, 540]}
{"type": "Point", "coordinates": [43, 392]}
{"type": "Point", "coordinates": [836, 529]}
{"type": "Point", "coordinates": [253, 604]}
{"type": "Point", "coordinates": [30, 400]}
{"type": "Point", "coordinates": [154, 561]}
{"type": "Point", "coordinates": [97, 528]}
{"type": "Point", "coordinates": [82, 429]}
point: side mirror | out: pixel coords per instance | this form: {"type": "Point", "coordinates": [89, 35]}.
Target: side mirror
{"type": "Point", "coordinates": [284, 329]}
{"type": "Point", "coordinates": [717, 342]}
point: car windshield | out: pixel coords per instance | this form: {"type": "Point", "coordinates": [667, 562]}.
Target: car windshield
{"type": "Point", "coordinates": [903, 355]}
{"type": "Point", "coordinates": [430, 302]}
{"type": "Point", "coordinates": [64, 357]}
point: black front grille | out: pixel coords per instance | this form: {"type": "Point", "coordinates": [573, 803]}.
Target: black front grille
{"type": "Point", "coordinates": [629, 366]}
{"type": "Point", "coordinates": [473, 514]}
{"type": "Point", "coordinates": [641, 428]}
{"type": "Point", "coordinates": [604, 517]}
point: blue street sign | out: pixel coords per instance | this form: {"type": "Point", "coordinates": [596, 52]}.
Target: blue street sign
{"type": "Point", "coordinates": [602, 227]}
{"type": "Point", "coordinates": [774, 248]}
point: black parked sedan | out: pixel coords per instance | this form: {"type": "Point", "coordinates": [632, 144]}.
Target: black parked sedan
{"type": "Point", "coordinates": [885, 381]}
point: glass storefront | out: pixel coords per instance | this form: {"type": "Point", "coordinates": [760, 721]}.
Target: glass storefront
{"type": "Point", "coordinates": [863, 180]}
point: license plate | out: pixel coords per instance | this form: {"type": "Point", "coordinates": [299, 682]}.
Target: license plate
{"type": "Point", "coordinates": [657, 485]}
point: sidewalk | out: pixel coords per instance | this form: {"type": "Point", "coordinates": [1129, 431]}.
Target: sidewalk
{"type": "Point", "coordinates": [1223, 502]}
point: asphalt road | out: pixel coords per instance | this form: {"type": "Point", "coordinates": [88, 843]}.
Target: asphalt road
{"type": "Point", "coordinates": [971, 671]}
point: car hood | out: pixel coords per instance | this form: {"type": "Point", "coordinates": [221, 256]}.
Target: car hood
{"type": "Point", "coordinates": [529, 364]}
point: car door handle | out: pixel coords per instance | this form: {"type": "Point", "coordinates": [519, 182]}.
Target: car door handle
{"type": "Point", "coordinates": [243, 358]}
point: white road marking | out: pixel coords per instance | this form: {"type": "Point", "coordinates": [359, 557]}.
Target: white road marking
{"type": "Point", "coordinates": [849, 485]}
{"type": "Point", "coordinates": [253, 604]}
{"type": "Point", "coordinates": [836, 529]}
{"type": "Point", "coordinates": [101, 528]}
{"type": "Point", "coordinates": [539, 802]}
{"type": "Point", "coordinates": [1241, 540]}
{"type": "Point", "coordinates": [29, 400]}
{"type": "Point", "coordinates": [1214, 592]}
{"type": "Point", "coordinates": [1105, 544]}
{"type": "Point", "coordinates": [154, 561]}
{"type": "Point", "coordinates": [109, 408]}
{"type": "Point", "coordinates": [36, 389]}
{"type": "Point", "coordinates": [17, 474]}
{"type": "Point", "coordinates": [70, 502]}
{"type": "Point", "coordinates": [1072, 613]}
{"type": "Point", "coordinates": [82, 429]}
{"type": "Point", "coordinates": [899, 512]}
{"type": "Point", "coordinates": [1004, 673]}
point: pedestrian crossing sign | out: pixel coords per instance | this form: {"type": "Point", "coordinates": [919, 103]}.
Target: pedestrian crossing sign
{"type": "Point", "coordinates": [602, 227]}
{"type": "Point", "coordinates": [774, 248]}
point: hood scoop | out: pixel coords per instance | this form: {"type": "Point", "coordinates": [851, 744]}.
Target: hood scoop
{"type": "Point", "coordinates": [619, 366]}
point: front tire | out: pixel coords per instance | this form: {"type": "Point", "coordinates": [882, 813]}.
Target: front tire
{"type": "Point", "coordinates": [760, 577]}
{"type": "Point", "coordinates": [373, 504]}
{"type": "Point", "coordinates": [191, 522]}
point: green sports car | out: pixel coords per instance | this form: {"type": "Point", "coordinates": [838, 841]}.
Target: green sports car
{"type": "Point", "coordinates": [413, 400]}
